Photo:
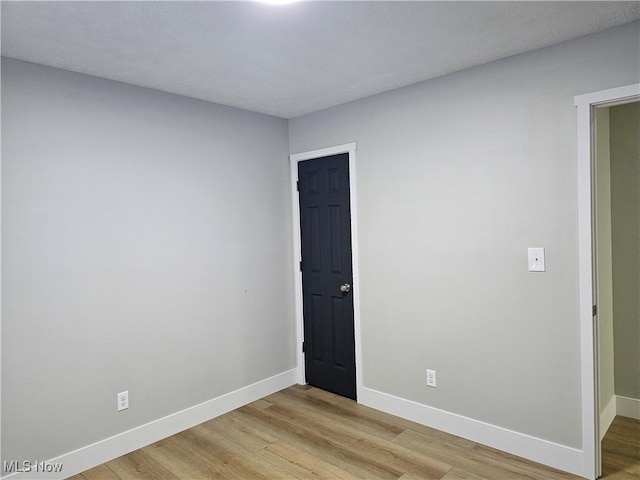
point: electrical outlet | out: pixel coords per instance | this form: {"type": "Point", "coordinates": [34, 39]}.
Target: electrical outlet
{"type": "Point", "coordinates": [123, 400]}
{"type": "Point", "coordinates": [431, 378]}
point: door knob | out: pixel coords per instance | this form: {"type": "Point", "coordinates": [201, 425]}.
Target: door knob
{"type": "Point", "coordinates": [345, 287]}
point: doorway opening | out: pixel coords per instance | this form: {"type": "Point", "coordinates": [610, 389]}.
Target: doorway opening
{"type": "Point", "coordinates": [617, 274]}
{"type": "Point", "coordinates": [589, 106]}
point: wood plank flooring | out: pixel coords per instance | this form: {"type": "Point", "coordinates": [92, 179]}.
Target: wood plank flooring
{"type": "Point", "coordinates": [306, 433]}
{"type": "Point", "coordinates": [621, 450]}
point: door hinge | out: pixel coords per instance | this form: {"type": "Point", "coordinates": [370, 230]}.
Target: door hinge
{"type": "Point", "coordinates": [300, 265]}
{"type": "Point", "coordinates": [297, 186]}
{"type": "Point", "coordinates": [302, 347]}
{"type": "Point", "coordinates": [594, 310]}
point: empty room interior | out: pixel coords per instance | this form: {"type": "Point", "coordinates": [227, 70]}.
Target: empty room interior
{"type": "Point", "coordinates": [320, 240]}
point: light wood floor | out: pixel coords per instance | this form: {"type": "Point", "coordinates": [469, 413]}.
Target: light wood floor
{"type": "Point", "coordinates": [304, 432]}
{"type": "Point", "coordinates": [621, 450]}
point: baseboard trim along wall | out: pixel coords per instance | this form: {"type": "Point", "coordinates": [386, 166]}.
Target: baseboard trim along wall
{"type": "Point", "coordinates": [125, 442]}
{"type": "Point", "coordinates": [628, 407]}
{"type": "Point", "coordinates": [607, 416]}
{"type": "Point", "coordinates": [535, 449]}
{"type": "Point", "coordinates": [618, 405]}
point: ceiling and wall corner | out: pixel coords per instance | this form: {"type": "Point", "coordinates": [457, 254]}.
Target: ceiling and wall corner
{"type": "Point", "coordinates": [290, 60]}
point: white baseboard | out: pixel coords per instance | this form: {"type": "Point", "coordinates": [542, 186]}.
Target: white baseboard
{"type": "Point", "coordinates": [607, 415]}
{"type": "Point", "coordinates": [628, 407]}
{"type": "Point", "coordinates": [536, 449]}
{"type": "Point", "coordinates": [125, 442]}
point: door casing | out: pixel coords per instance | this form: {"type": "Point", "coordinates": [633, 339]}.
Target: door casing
{"type": "Point", "coordinates": [349, 148]}
{"type": "Point", "coordinates": [591, 461]}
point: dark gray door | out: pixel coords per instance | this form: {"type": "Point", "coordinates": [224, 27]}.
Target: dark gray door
{"type": "Point", "coordinates": [325, 228]}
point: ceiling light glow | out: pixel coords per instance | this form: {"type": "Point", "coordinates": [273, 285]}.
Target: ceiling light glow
{"type": "Point", "coordinates": [277, 2]}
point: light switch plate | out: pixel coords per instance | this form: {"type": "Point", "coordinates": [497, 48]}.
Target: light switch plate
{"type": "Point", "coordinates": [536, 259]}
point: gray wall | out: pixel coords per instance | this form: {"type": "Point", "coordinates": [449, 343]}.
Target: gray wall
{"type": "Point", "coordinates": [146, 247]}
{"type": "Point", "coordinates": [603, 259]}
{"type": "Point", "coordinates": [625, 229]}
{"type": "Point", "coordinates": [456, 178]}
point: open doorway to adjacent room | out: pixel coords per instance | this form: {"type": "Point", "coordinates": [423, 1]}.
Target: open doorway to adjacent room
{"type": "Point", "coordinates": [616, 194]}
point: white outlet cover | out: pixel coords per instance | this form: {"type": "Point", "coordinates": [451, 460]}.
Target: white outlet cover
{"type": "Point", "coordinates": [536, 259]}
{"type": "Point", "coordinates": [431, 378]}
{"type": "Point", "coordinates": [123, 400]}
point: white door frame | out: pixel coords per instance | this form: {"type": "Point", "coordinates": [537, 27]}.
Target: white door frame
{"type": "Point", "coordinates": [591, 463]}
{"type": "Point", "coordinates": [349, 148]}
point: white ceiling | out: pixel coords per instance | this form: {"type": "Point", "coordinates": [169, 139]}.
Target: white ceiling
{"type": "Point", "coordinates": [294, 59]}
